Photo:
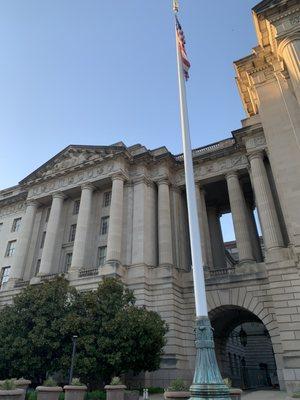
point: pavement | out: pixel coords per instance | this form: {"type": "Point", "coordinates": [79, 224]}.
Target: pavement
{"type": "Point", "coordinates": [265, 395]}
{"type": "Point", "coordinates": [257, 395]}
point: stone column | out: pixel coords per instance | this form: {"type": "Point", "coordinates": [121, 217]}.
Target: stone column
{"type": "Point", "coordinates": [216, 237]}
{"type": "Point", "coordinates": [239, 216]}
{"type": "Point", "coordinates": [204, 228]}
{"type": "Point", "coordinates": [140, 205]}
{"type": "Point", "coordinates": [289, 48]}
{"type": "Point", "coordinates": [255, 240]}
{"type": "Point", "coordinates": [164, 223]}
{"type": "Point", "coordinates": [23, 242]}
{"type": "Point", "coordinates": [265, 203]}
{"type": "Point", "coordinates": [114, 239]}
{"type": "Point", "coordinates": [83, 220]}
{"type": "Point", "coordinates": [50, 246]}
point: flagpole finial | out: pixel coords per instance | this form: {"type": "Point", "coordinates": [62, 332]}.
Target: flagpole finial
{"type": "Point", "coordinates": [176, 6]}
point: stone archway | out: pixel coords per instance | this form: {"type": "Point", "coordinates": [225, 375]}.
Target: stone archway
{"type": "Point", "coordinates": [244, 348]}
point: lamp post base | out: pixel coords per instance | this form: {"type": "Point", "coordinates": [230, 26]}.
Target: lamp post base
{"type": "Point", "coordinates": [208, 383]}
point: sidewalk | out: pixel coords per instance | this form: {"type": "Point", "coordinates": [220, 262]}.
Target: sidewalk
{"type": "Point", "coordinates": [265, 395]}
{"type": "Point", "coordinates": [258, 395]}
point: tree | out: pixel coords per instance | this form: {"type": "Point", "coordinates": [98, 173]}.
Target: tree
{"type": "Point", "coordinates": [114, 335]}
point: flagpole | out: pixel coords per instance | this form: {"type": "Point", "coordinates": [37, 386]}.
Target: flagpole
{"type": "Point", "coordinates": [198, 273]}
{"type": "Point", "coordinates": [208, 382]}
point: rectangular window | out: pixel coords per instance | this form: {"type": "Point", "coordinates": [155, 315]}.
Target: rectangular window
{"type": "Point", "coordinates": [10, 249]}
{"type": "Point", "coordinates": [72, 233]}
{"type": "Point", "coordinates": [104, 225]}
{"type": "Point", "coordinates": [68, 261]}
{"type": "Point", "coordinates": [43, 240]}
{"type": "Point", "coordinates": [16, 224]}
{"type": "Point", "coordinates": [1, 226]}
{"type": "Point", "coordinates": [106, 199]}
{"type": "Point", "coordinates": [37, 267]}
{"type": "Point", "coordinates": [76, 206]}
{"type": "Point", "coordinates": [47, 214]}
{"type": "Point", "coordinates": [4, 275]}
{"type": "Point", "coordinates": [101, 256]}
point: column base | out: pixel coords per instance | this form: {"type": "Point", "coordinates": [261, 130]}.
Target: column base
{"type": "Point", "coordinates": [208, 383]}
{"type": "Point", "coordinates": [35, 280]}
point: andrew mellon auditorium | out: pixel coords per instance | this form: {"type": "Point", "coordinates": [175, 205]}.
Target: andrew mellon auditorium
{"type": "Point", "coordinates": [97, 211]}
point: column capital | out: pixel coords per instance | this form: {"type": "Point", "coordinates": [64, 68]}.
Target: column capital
{"type": "Point", "coordinates": [32, 203]}
{"type": "Point", "coordinates": [140, 179]}
{"type": "Point", "coordinates": [176, 189]}
{"type": "Point", "coordinates": [120, 176]}
{"type": "Point", "coordinates": [295, 35]}
{"type": "Point", "coordinates": [256, 154]}
{"type": "Point", "coordinates": [231, 174]}
{"type": "Point", "coordinates": [88, 186]}
{"type": "Point", "coordinates": [59, 195]}
{"type": "Point", "coordinates": [163, 180]}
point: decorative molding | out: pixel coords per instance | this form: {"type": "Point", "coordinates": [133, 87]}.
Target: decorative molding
{"type": "Point", "coordinates": [72, 180]}
{"type": "Point", "coordinates": [12, 209]}
{"type": "Point", "coordinates": [215, 168]}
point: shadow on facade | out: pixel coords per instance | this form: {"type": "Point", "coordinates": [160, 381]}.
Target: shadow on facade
{"type": "Point", "coordinates": [244, 348]}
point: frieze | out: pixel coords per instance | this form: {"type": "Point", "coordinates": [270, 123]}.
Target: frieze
{"type": "Point", "coordinates": [71, 180]}
{"type": "Point", "coordinates": [211, 169]}
{"type": "Point", "coordinates": [12, 209]}
{"type": "Point", "coordinates": [295, 20]}
{"type": "Point", "coordinates": [255, 142]}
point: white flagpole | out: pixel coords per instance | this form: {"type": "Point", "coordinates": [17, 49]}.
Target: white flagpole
{"type": "Point", "coordinates": [197, 263]}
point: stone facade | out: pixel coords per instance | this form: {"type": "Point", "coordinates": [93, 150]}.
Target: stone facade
{"type": "Point", "coordinates": [96, 211]}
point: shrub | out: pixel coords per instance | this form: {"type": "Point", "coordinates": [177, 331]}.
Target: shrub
{"type": "Point", "coordinates": [178, 385]}
{"type": "Point", "coordinates": [76, 382]}
{"type": "Point", "coordinates": [116, 381]}
{"type": "Point", "coordinates": [296, 395]}
{"type": "Point", "coordinates": [50, 382]}
{"type": "Point", "coordinates": [227, 382]}
{"type": "Point", "coordinates": [155, 390]}
{"type": "Point", "coordinates": [96, 395]}
{"type": "Point", "coordinates": [8, 384]}
{"type": "Point", "coordinates": [31, 395]}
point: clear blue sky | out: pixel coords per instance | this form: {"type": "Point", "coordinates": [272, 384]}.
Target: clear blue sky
{"type": "Point", "coordinates": [101, 71]}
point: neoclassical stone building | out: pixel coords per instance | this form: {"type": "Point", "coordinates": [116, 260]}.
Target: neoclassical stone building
{"type": "Point", "coordinates": [96, 211]}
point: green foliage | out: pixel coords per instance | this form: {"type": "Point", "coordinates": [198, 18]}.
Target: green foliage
{"type": "Point", "coordinates": [31, 395]}
{"type": "Point", "coordinates": [76, 382]}
{"type": "Point", "coordinates": [155, 390]}
{"type": "Point", "coordinates": [114, 335]}
{"type": "Point", "coordinates": [96, 395]}
{"type": "Point", "coordinates": [227, 382]}
{"type": "Point", "coordinates": [8, 384]}
{"type": "Point", "coordinates": [178, 385]}
{"type": "Point", "coordinates": [116, 381]}
{"type": "Point", "coordinates": [50, 382]}
{"type": "Point", "coordinates": [296, 395]}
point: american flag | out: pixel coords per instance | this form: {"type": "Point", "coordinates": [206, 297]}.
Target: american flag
{"type": "Point", "coordinates": [181, 43]}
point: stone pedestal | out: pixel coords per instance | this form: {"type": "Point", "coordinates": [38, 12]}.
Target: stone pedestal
{"type": "Point", "coordinates": [15, 394]}
{"type": "Point", "coordinates": [48, 393]}
{"type": "Point", "coordinates": [75, 392]}
{"type": "Point", "coordinates": [115, 392]}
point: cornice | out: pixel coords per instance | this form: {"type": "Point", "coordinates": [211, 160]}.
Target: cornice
{"type": "Point", "coordinates": [13, 199]}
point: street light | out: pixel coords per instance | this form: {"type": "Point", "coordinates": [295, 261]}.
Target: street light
{"type": "Point", "coordinates": [74, 338]}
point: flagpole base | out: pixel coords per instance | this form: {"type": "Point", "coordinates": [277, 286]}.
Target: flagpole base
{"type": "Point", "coordinates": [208, 383]}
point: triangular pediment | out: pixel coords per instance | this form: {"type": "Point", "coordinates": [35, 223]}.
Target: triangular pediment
{"type": "Point", "coordinates": [71, 158]}
{"type": "Point", "coordinates": [268, 4]}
